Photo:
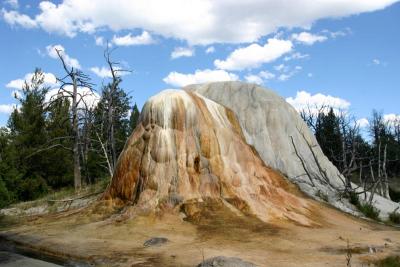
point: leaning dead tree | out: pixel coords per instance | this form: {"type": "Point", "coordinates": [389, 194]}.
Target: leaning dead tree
{"type": "Point", "coordinates": [115, 71]}
{"type": "Point", "coordinates": [70, 83]}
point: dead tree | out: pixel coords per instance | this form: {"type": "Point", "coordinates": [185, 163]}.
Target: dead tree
{"type": "Point", "coordinates": [75, 79]}
{"type": "Point", "coordinates": [349, 131]}
{"type": "Point", "coordinates": [311, 115]}
{"type": "Point", "coordinates": [385, 175]}
{"type": "Point", "coordinates": [380, 130]}
{"type": "Point", "coordinates": [115, 71]}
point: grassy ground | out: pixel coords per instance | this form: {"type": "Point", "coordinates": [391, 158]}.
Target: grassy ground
{"type": "Point", "coordinates": [391, 261]}
{"type": "Point", "coordinates": [19, 213]}
{"type": "Point", "coordinates": [64, 193]}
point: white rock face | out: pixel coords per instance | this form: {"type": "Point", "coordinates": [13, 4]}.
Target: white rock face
{"type": "Point", "coordinates": [282, 139]}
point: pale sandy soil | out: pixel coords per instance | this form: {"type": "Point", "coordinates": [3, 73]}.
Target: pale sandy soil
{"type": "Point", "coordinates": [97, 236]}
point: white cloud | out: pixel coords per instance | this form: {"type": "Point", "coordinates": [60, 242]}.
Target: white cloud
{"type": "Point", "coordinates": [281, 68]}
{"type": "Point", "coordinates": [17, 83]}
{"type": "Point", "coordinates": [128, 40]}
{"type": "Point", "coordinates": [296, 55]}
{"type": "Point", "coordinates": [71, 62]}
{"type": "Point", "coordinates": [286, 71]}
{"type": "Point", "coordinates": [252, 78]}
{"type": "Point", "coordinates": [285, 76]}
{"type": "Point", "coordinates": [266, 75]}
{"type": "Point", "coordinates": [7, 108]}
{"type": "Point", "coordinates": [49, 80]}
{"type": "Point", "coordinates": [91, 98]}
{"type": "Point", "coordinates": [196, 21]}
{"type": "Point", "coordinates": [210, 50]}
{"type": "Point", "coordinates": [14, 18]}
{"type": "Point", "coordinates": [376, 61]}
{"type": "Point", "coordinates": [254, 55]}
{"type": "Point", "coordinates": [104, 72]}
{"type": "Point", "coordinates": [391, 118]}
{"type": "Point", "coordinates": [259, 78]}
{"type": "Point", "coordinates": [308, 38]}
{"type": "Point", "coordinates": [182, 52]}
{"type": "Point", "coordinates": [305, 100]}
{"type": "Point", "coordinates": [362, 123]}
{"type": "Point", "coordinates": [337, 34]}
{"type": "Point", "coordinates": [99, 40]}
{"type": "Point", "coordinates": [310, 75]}
{"type": "Point", "coordinates": [200, 76]}
{"type": "Point", "coordinates": [16, 94]}
{"type": "Point", "coordinates": [12, 3]}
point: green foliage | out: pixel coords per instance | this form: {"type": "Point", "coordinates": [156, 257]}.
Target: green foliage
{"type": "Point", "coordinates": [32, 188]}
{"type": "Point", "coordinates": [365, 208]}
{"type": "Point", "coordinates": [369, 211]}
{"type": "Point", "coordinates": [36, 147]}
{"type": "Point", "coordinates": [353, 198]}
{"type": "Point", "coordinates": [5, 198]}
{"type": "Point", "coordinates": [394, 194]}
{"type": "Point", "coordinates": [391, 261]}
{"type": "Point", "coordinates": [134, 119]}
{"type": "Point", "coordinates": [59, 172]}
{"type": "Point", "coordinates": [327, 132]}
{"type": "Point", "coordinates": [33, 154]}
{"type": "Point", "coordinates": [118, 100]}
{"type": "Point", "coordinates": [394, 217]}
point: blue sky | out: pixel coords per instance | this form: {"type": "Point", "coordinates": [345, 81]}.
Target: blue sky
{"type": "Point", "coordinates": [346, 55]}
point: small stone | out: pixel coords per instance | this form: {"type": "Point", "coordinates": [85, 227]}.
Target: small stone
{"type": "Point", "coordinates": [155, 241]}
{"type": "Point", "coordinates": [222, 261]}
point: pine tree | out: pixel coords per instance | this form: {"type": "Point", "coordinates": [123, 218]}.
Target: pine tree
{"type": "Point", "coordinates": [102, 150]}
{"type": "Point", "coordinates": [328, 135]}
{"type": "Point", "coordinates": [28, 133]}
{"type": "Point", "coordinates": [134, 118]}
{"type": "Point", "coordinates": [59, 173]}
{"type": "Point", "coordinates": [7, 169]}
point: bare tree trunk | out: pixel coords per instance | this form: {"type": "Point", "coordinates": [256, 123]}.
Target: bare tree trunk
{"type": "Point", "coordinates": [371, 197]}
{"type": "Point", "coordinates": [111, 131]}
{"type": "Point", "coordinates": [87, 128]}
{"type": "Point", "coordinates": [103, 147]}
{"type": "Point", "coordinates": [386, 180]}
{"type": "Point", "coordinates": [379, 169]}
{"type": "Point", "coordinates": [77, 166]}
{"type": "Point", "coordinates": [361, 180]}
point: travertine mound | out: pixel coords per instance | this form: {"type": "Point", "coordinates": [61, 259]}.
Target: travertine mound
{"type": "Point", "coordinates": [188, 148]}
{"type": "Point", "coordinates": [282, 139]}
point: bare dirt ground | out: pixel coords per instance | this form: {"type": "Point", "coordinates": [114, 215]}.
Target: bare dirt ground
{"type": "Point", "coordinates": [101, 236]}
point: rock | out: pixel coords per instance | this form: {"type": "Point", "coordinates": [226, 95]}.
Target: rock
{"type": "Point", "coordinates": [155, 241]}
{"type": "Point", "coordinates": [282, 139]}
{"type": "Point", "coordinates": [222, 261]}
{"type": "Point", "coordinates": [224, 141]}
{"type": "Point", "coordinates": [187, 148]}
